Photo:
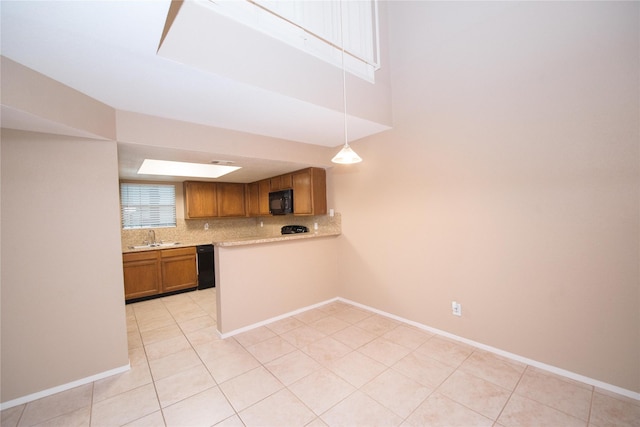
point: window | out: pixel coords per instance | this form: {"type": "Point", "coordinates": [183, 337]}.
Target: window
{"type": "Point", "coordinates": [316, 27]}
{"type": "Point", "coordinates": [148, 205]}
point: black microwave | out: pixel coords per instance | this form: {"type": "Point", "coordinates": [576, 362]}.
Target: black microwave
{"type": "Point", "coordinates": [281, 202]}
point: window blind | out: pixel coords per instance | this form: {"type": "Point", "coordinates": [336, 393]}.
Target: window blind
{"type": "Point", "coordinates": [147, 205]}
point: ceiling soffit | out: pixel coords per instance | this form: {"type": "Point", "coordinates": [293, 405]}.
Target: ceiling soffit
{"type": "Point", "coordinates": [303, 90]}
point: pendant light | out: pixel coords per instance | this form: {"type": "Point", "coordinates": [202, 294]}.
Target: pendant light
{"type": "Point", "coordinates": [346, 156]}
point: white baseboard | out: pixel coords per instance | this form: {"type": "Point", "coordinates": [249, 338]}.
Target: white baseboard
{"type": "Point", "coordinates": [48, 392]}
{"type": "Point", "coordinates": [508, 355]}
{"type": "Point", "coordinates": [274, 319]}
{"type": "Point", "coordinates": [512, 356]}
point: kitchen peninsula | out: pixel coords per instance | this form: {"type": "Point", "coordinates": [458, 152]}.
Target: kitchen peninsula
{"type": "Point", "coordinates": [260, 273]}
{"type": "Point", "coordinates": [261, 280]}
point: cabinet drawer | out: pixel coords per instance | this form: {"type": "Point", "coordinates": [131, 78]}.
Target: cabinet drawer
{"type": "Point", "coordinates": [191, 250]}
{"type": "Point", "coordinates": [140, 256]}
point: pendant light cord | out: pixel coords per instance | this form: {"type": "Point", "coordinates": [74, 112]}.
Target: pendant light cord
{"type": "Point", "coordinates": [346, 155]}
{"type": "Point", "coordinates": [344, 78]}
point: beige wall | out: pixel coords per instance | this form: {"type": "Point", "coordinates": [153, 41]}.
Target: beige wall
{"type": "Point", "coordinates": [62, 311]}
{"type": "Point", "coordinates": [55, 105]}
{"type": "Point", "coordinates": [259, 282]}
{"type": "Point", "coordinates": [510, 182]}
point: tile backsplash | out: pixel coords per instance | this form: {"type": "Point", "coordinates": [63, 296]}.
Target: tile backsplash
{"type": "Point", "coordinates": [225, 229]}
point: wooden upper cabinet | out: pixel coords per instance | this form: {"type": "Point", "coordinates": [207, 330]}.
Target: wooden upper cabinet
{"type": "Point", "coordinates": [214, 199]}
{"type": "Point", "coordinates": [231, 199]}
{"type": "Point", "coordinates": [274, 183]}
{"type": "Point", "coordinates": [263, 190]}
{"type": "Point", "coordinates": [258, 197]}
{"type": "Point", "coordinates": [226, 199]}
{"type": "Point", "coordinates": [286, 181]}
{"type": "Point", "coordinates": [200, 199]}
{"type": "Point", "coordinates": [253, 199]}
{"type": "Point", "coordinates": [309, 192]}
{"type": "Point", "coordinates": [281, 182]}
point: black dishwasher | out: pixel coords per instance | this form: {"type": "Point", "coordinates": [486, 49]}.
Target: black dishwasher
{"type": "Point", "coordinates": [206, 276]}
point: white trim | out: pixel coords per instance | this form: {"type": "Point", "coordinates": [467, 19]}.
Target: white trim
{"type": "Point", "coordinates": [508, 355]}
{"type": "Point", "coordinates": [57, 389]}
{"type": "Point", "coordinates": [512, 356]}
{"type": "Point", "coordinates": [274, 319]}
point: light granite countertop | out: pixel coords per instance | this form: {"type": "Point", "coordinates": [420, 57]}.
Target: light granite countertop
{"type": "Point", "coordinates": [279, 238]}
{"type": "Point", "coordinates": [233, 242]}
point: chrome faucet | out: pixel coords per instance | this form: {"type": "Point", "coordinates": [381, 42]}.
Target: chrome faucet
{"type": "Point", "coordinates": [151, 236]}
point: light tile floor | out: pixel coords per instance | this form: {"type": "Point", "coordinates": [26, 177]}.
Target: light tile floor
{"type": "Point", "coordinates": [336, 365]}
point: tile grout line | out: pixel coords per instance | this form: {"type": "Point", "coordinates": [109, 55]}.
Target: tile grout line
{"type": "Point", "coordinates": [201, 361]}
{"type": "Point", "coordinates": [322, 366]}
{"type": "Point", "coordinates": [459, 403]}
{"type": "Point", "coordinates": [593, 393]}
{"type": "Point", "coordinates": [146, 356]}
{"type": "Point", "coordinates": [356, 388]}
{"type": "Point", "coordinates": [515, 387]}
{"type": "Point", "coordinates": [24, 408]}
{"type": "Point", "coordinates": [93, 387]}
{"type": "Point", "coordinates": [236, 413]}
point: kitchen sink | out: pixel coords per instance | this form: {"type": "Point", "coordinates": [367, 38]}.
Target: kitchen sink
{"type": "Point", "coordinates": [155, 245]}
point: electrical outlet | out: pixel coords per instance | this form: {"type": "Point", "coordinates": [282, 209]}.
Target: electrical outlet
{"type": "Point", "coordinates": [456, 308]}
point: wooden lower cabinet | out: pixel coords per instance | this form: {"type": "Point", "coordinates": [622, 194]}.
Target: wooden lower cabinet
{"type": "Point", "coordinates": [141, 274]}
{"type": "Point", "coordinates": [178, 269]}
{"type": "Point", "coordinates": [158, 272]}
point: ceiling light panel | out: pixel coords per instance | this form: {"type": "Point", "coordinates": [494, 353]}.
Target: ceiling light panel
{"type": "Point", "coordinates": [193, 170]}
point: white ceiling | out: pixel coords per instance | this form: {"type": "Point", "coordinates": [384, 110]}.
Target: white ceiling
{"type": "Point", "coordinates": [130, 157]}
{"type": "Point", "coordinates": [108, 51]}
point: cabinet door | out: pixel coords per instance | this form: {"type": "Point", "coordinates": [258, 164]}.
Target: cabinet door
{"type": "Point", "coordinates": [281, 182]}
{"type": "Point", "coordinates": [286, 181]}
{"type": "Point", "coordinates": [178, 269]}
{"type": "Point", "coordinates": [302, 201]}
{"type": "Point", "coordinates": [263, 200]}
{"type": "Point", "coordinates": [231, 199]}
{"type": "Point", "coordinates": [141, 274]}
{"type": "Point", "coordinates": [275, 183]}
{"type": "Point", "coordinates": [258, 197]}
{"type": "Point", "coordinates": [253, 199]}
{"type": "Point", "coordinates": [200, 199]}
{"type": "Point", "coordinates": [309, 192]}
{"type": "Point", "coordinates": [319, 190]}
